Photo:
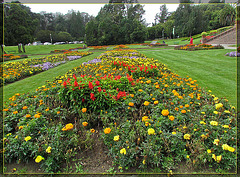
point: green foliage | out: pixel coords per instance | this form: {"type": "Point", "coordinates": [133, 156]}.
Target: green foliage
{"type": "Point", "coordinates": [204, 34]}
{"type": "Point", "coordinates": [116, 24]}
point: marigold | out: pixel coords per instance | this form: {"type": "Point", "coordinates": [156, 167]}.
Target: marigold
{"type": "Point", "coordinates": [155, 102]}
{"type": "Point", "coordinates": [151, 131]}
{"type": "Point", "coordinates": [20, 127]}
{"type": "Point", "coordinates": [116, 138]}
{"type": "Point", "coordinates": [219, 105]}
{"type": "Point", "coordinates": [107, 130]}
{"type": "Point", "coordinates": [131, 104]}
{"type": "Point", "coordinates": [165, 112]}
{"type": "Point", "coordinates": [15, 112]}
{"type": "Point", "coordinates": [219, 158]}
{"type": "Point", "coordinates": [84, 110]}
{"type": "Point", "coordinates": [171, 118]}
{"type": "Point", "coordinates": [48, 150]}
{"type": "Point", "coordinates": [37, 116]}
{"type": "Point", "coordinates": [67, 127]}
{"type": "Point", "coordinates": [216, 141]}
{"type": "Point", "coordinates": [84, 124]}
{"type": "Point", "coordinates": [225, 147]}
{"type": "Point", "coordinates": [174, 133]}
{"type": "Point", "coordinates": [225, 126]}
{"type": "Point", "coordinates": [24, 107]}
{"type": "Point", "coordinates": [27, 138]}
{"type": "Point", "coordinates": [209, 151]}
{"type": "Point", "coordinates": [148, 81]}
{"type": "Point", "coordinates": [214, 123]}
{"type": "Point", "coordinates": [187, 137]}
{"type": "Point", "coordinates": [39, 159]}
{"type": "Point", "coordinates": [123, 151]}
{"type": "Point", "coordinates": [231, 149]}
{"type": "Point", "coordinates": [145, 118]}
{"type": "Point", "coordinates": [183, 111]}
{"type": "Point", "coordinates": [202, 122]}
{"type": "Point", "coordinates": [92, 130]}
{"type": "Point", "coordinates": [146, 103]}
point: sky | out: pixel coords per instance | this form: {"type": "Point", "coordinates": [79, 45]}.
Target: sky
{"type": "Point", "coordinates": [93, 9]}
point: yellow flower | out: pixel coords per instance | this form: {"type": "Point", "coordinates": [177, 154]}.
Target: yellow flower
{"type": "Point", "coordinates": [85, 124]}
{"type": "Point", "coordinates": [123, 151]}
{"type": "Point", "coordinates": [214, 123]}
{"type": "Point", "coordinates": [187, 137]}
{"type": "Point", "coordinates": [203, 113]}
{"type": "Point", "coordinates": [219, 158]}
{"type": "Point", "coordinates": [92, 130]}
{"type": "Point", "coordinates": [231, 149]}
{"type": "Point", "coordinates": [27, 138]}
{"type": "Point", "coordinates": [107, 130]}
{"type": "Point", "coordinates": [183, 111]}
{"type": "Point", "coordinates": [203, 136]}
{"type": "Point", "coordinates": [84, 110]}
{"type": "Point", "coordinates": [131, 104]}
{"type": "Point", "coordinates": [225, 126]}
{"type": "Point", "coordinates": [188, 156]}
{"type": "Point", "coordinates": [216, 141]}
{"type": "Point", "coordinates": [165, 112]}
{"type": "Point", "coordinates": [215, 112]}
{"type": "Point", "coordinates": [225, 147]}
{"type": "Point", "coordinates": [39, 159]}
{"type": "Point", "coordinates": [174, 133]}
{"type": "Point", "coordinates": [67, 127]}
{"type": "Point", "coordinates": [209, 151]}
{"type": "Point", "coordinates": [202, 122]}
{"type": "Point", "coordinates": [144, 162]}
{"type": "Point", "coordinates": [151, 131]}
{"type": "Point", "coordinates": [226, 111]}
{"type": "Point", "coordinates": [140, 90]}
{"type": "Point", "coordinates": [37, 116]}
{"type": "Point", "coordinates": [171, 118]}
{"type": "Point", "coordinates": [48, 150]}
{"type": "Point", "coordinates": [145, 118]}
{"type": "Point", "coordinates": [146, 103]}
{"type": "Point", "coordinates": [214, 157]}
{"type": "Point", "coordinates": [148, 81]}
{"type": "Point", "coordinates": [155, 102]}
{"type": "Point", "coordinates": [116, 138]}
{"type": "Point", "coordinates": [219, 105]}
{"type": "Point", "coordinates": [20, 127]}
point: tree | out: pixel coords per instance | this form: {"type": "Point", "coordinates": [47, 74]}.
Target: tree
{"type": "Point", "coordinates": [19, 26]}
{"type": "Point", "coordinates": [161, 17]}
{"type": "Point", "coordinates": [227, 15]}
{"type": "Point", "coordinates": [64, 36]}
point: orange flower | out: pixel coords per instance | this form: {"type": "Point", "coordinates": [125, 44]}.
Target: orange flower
{"type": "Point", "coordinates": [183, 111]}
{"type": "Point", "coordinates": [146, 103]}
{"type": "Point", "coordinates": [84, 110]}
{"type": "Point", "coordinates": [131, 104]}
{"type": "Point", "coordinates": [15, 112]}
{"type": "Point", "coordinates": [37, 116]}
{"type": "Point", "coordinates": [24, 107]}
{"type": "Point", "coordinates": [28, 115]}
{"type": "Point", "coordinates": [155, 102]}
{"type": "Point", "coordinates": [92, 130]}
{"type": "Point", "coordinates": [20, 127]}
{"type": "Point", "coordinates": [67, 127]}
{"type": "Point", "coordinates": [165, 112]}
{"type": "Point", "coordinates": [107, 130]}
{"type": "Point", "coordinates": [171, 118]}
{"type": "Point", "coordinates": [85, 124]}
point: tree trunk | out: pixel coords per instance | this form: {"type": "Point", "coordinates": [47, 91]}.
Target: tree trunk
{"type": "Point", "coordinates": [19, 48]}
{"type": "Point", "coordinates": [23, 47]}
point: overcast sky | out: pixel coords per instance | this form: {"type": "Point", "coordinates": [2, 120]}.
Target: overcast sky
{"type": "Point", "coordinates": [93, 9]}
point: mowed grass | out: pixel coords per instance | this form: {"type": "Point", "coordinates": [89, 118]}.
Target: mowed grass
{"type": "Point", "coordinates": [40, 49]}
{"type": "Point", "coordinates": [32, 83]}
{"type": "Point", "coordinates": [210, 68]}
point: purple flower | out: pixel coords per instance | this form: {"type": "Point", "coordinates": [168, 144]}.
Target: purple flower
{"type": "Point", "coordinates": [92, 61]}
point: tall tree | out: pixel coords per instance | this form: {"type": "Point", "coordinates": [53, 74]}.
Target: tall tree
{"type": "Point", "coordinates": [19, 26]}
{"type": "Point", "coordinates": [161, 17]}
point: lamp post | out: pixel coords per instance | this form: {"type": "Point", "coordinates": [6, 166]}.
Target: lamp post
{"type": "Point", "coordinates": [51, 38]}
{"type": "Point", "coordinates": [173, 31]}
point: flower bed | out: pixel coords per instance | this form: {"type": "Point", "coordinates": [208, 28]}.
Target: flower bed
{"type": "Point", "coordinates": [147, 117]}
{"type": "Point", "coordinates": [193, 47]}
{"type": "Point", "coordinates": [98, 47]}
{"type": "Point", "coordinates": [157, 44]}
{"type": "Point", "coordinates": [18, 70]}
{"type": "Point", "coordinates": [120, 47]}
{"type": "Point", "coordinates": [9, 57]}
{"type": "Point", "coordinates": [233, 54]}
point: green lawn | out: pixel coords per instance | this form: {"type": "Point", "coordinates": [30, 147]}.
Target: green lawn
{"type": "Point", "coordinates": [210, 68]}
{"type": "Point", "coordinates": [40, 49]}
{"type": "Point", "coordinates": [38, 80]}
{"type": "Point", "coordinates": [178, 41]}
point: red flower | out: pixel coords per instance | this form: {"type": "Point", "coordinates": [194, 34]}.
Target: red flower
{"type": "Point", "coordinates": [99, 89]}
{"type": "Point", "coordinates": [97, 83]}
{"type": "Point", "coordinates": [83, 99]}
{"type": "Point", "coordinates": [90, 85]}
{"type": "Point", "coordinates": [92, 96]}
{"type": "Point", "coordinates": [74, 77]}
{"type": "Point", "coordinates": [75, 84]}
{"type": "Point", "coordinates": [65, 84]}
